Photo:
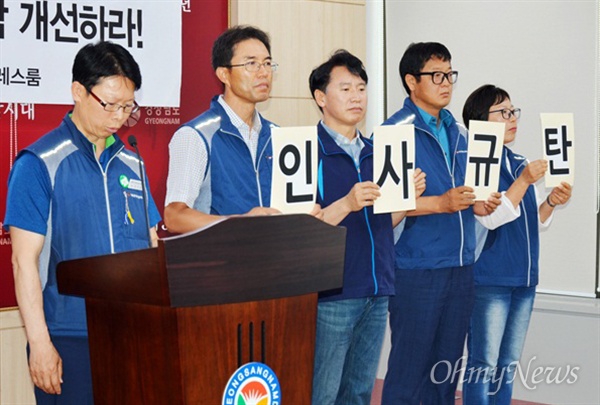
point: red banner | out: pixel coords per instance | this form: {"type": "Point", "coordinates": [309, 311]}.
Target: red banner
{"type": "Point", "coordinates": [22, 124]}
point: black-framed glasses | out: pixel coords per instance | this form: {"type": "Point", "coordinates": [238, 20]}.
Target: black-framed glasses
{"type": "Point", "coordinates": [438, 77]}
{"type": "Point", "coordinates": [114, 107]}
{"type": "Point", "coordinates": [508, 114]}
{"type": "Point", "coordinates": [254, 66]}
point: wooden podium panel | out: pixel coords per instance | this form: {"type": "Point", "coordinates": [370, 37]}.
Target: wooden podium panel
{"type": "Point", "coordinates": [187, 355]}
{"type": "Point", "coordinates": [170, 325]}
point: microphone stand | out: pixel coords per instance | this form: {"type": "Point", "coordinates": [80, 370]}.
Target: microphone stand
{"type": "Point", "coordinates": [133, 143]}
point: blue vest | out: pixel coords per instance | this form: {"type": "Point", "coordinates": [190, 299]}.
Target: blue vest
{"type": "Point", "coordinates": [437, 240]}
{"type": "Point", "coordinates": [369, 260]}
{"type": "Point", "coordinates": [88, 213]}
{"type": "Point", "coordinates": [233, 184]}
{"type": "Point", "coordinates": [511, 252]}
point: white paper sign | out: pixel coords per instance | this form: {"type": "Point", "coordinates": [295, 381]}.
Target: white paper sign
{"type": "Point", "coordinates": [393, 167]}
{"type": "Point", "coordinates": [295, 160]}
{"type": "Point", "coordinates": [39, 41]}
{"type": "Point", "coordinates": [483, 157]}
{"type": "Point", "coordinates": [558, 136]}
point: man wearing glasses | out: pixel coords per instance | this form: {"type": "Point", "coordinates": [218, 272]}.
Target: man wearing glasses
{"type": "Point", "coordinates": [76, 192]}
{"type": "Point", "coordinates": [430, 312]}
{"type": "Point", "coordinates": [220, 163]}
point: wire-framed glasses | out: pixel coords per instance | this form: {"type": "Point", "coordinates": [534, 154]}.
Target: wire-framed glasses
{"type": "Point", "coordinates": [254, 66]}
{"type": "Point", "coordinates": [114, 107]}
{"type": "Point", "coordinates": [508, 114]}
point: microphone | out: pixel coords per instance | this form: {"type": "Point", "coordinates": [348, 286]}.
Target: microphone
{"type": "Point", "coordinates": [133, 143]}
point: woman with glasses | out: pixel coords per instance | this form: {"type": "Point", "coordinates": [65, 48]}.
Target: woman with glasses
{"type": "Point", "coordinates": [506, 271]}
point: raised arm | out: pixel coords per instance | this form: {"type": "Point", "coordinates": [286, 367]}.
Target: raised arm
{"type": "Point", "coordinates": [531, 174]}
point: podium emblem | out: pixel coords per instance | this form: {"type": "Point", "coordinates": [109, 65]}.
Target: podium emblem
{"type": "Point", "coordinates": [252, 384]}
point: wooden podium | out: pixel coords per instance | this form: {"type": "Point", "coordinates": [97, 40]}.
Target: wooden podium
{"type": "Point", "coordinates": [170, 325]}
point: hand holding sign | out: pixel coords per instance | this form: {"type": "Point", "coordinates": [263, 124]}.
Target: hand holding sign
{"type": "Point", "coordinates": [420, 182]}
{"type": "Point", "coordinates": [534, 171]}
{"type": "Point", "coordinates": [488, 206]}
{"type": "Point", "coordinates": [560, 194]}
{"type": "Point", "coordinates": [457, 199]}
{"type": "Point", "coordinates": [362, 195]}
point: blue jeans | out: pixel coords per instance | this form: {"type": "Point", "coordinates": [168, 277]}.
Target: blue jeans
{"type": "Point", "coordinates": [496, 337]}
{"type": "Point", "coordinates": [347, 349]}
{"type": "Point", "coordinates": [429, 318]}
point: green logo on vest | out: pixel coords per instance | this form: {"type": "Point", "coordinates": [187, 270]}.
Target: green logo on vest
{"type": "Point", "coordinates": [124, 181]}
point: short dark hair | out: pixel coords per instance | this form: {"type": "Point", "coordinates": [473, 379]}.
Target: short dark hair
{"type": "Point", "coordinates": [320, 76]}
{"type": "Point", "coordinates": [94, 62]}
{"type": "Point", "coordinates": [478, 103]}
{"type": "Point", "coordinates": [223, 47]}
{"type": "Point", "coordinates": [416, 56]}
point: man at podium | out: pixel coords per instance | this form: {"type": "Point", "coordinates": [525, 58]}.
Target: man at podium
{"type": "Point", "coordinates": [74, 193]}
{"type": "Point", "coordinates": [220, 162]}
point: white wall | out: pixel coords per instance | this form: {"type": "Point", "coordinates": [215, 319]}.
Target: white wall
{"type": "Point", "coordinates": [563, 337]}
{"type": "Point", "coordinates": [545, 54]}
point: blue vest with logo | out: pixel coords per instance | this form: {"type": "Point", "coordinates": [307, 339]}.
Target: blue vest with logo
{"type": "Point", "coordinates": [369, 260]}
{"type": "Point", "coordinates": [437, 240]}
{"type": "Point", "coordinates": [89, 203]}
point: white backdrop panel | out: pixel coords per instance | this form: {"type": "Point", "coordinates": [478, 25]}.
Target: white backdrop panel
{"type": "Point", "coordinates": [39, 41]}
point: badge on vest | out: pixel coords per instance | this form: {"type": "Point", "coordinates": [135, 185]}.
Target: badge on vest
{"type": "Point", "coordinates": [130, 184]}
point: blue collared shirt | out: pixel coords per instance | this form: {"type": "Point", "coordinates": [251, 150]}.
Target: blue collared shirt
{"type": "Point", "coordinates": [439, 131]}
{"type": "Point", "coordinates": [351, 147]}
